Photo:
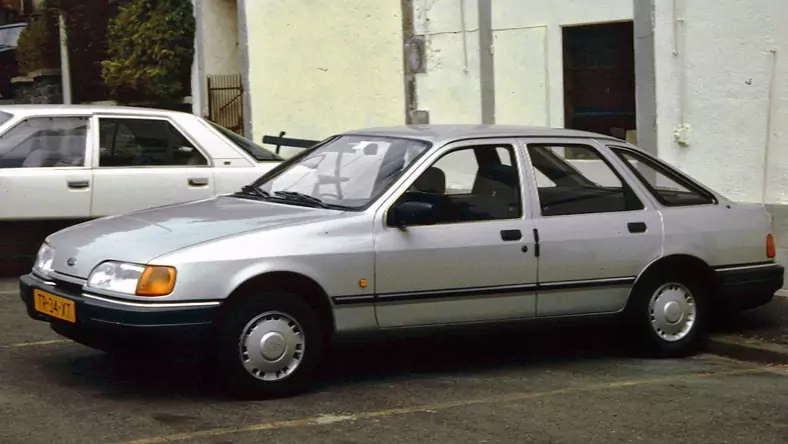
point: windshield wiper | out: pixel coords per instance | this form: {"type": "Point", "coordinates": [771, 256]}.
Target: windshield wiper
{"type": "Point", "coordinates": [251, 190]}
{"type": "Point", "coordinates": [295, 195]}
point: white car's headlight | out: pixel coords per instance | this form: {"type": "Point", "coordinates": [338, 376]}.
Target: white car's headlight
{"type": "Point", "coordinates": [44, 259]}
{"type": "Point", "coordinates": [132, 279]}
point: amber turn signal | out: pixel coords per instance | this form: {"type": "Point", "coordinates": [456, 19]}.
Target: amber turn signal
{"type": "Point", "coordinates": [156, 281]}
{"type": "Point", "coordinates": [770, 252]}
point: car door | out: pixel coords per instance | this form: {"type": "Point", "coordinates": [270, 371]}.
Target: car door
{"type": "Point", "coordinates": [595, 231]}
{"type": "Point", "coordinates": [44, 168]}
{"type": "Point", "coordinates": [143, 162]}
{"type": "Point", "coordinates": [476, 262]}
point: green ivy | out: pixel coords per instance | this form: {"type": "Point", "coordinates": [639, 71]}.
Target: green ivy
{"type": "Point", "coordinates": [150, 50]}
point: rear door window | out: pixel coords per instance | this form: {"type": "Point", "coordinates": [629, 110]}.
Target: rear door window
{"type": "Point", "coordinates": [45, 142]}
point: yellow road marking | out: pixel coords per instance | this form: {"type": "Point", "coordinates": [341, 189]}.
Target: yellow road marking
{"type": "Point", "coordinates": [33, 344]}
{"type": "Point", "coordinates": [429, 408]}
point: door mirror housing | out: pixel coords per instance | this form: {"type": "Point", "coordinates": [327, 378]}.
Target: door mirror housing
{"type": "Point", "coordinates": [412, 213]}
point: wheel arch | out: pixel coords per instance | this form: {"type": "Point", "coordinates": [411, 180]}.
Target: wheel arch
{"type": "Point", "coordinates": [681, 261]}
{"type": "Point", "coordinates": [290, 281]}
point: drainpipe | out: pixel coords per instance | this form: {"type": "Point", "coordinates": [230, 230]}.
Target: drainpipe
{"type": "Point", "coordinates": [65, 70]}
{"type": "Point", "coordinates": [769, 114]}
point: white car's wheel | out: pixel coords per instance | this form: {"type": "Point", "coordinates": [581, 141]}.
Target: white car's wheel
{"type": "Point", "coordinates": [668, 313]}
{"type": "Point", "coordinates": [269, 345]}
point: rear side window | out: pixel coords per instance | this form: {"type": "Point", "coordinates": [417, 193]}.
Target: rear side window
{"type": "Point", "coordinates": [4, 117]}
{"type": "Point", "coordinates": [669, 187]}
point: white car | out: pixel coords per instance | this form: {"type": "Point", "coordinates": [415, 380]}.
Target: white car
{"type": "Point", "coordinates": [85, 161]}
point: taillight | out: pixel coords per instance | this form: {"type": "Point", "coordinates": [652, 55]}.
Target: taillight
{"type": "Point", "coordinates": [770, 253]}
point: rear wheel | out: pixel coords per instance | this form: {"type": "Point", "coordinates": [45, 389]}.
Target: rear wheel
{"type": "Point", "coordinates": [268, 345]}
{"type": "Point", "coordinates": [668, 313]}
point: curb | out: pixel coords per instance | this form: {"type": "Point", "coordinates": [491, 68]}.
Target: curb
{"type": "Point", "coordinates": [745, 349]}
{"type": "Point", "coordinates": [783, 293]}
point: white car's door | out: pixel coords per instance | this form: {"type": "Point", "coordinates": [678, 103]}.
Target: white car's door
{"type": "Point", "coordinates": [45, 169]}
{"type": "Point", "coordinates": [477, 262]}
{"type": "Point", "coordinates": [595, 231]}
{"type": "Point", "coordinates": [143, 161]}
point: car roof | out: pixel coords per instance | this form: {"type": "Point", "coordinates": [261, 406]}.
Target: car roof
{"type": "Point", "coordinates": [444, 133]}
{"type": "Point", "coordinates": [57, 109]}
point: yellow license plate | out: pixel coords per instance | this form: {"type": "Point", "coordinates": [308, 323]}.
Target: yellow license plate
{"type": "Point", "coordinates": [54, 306]}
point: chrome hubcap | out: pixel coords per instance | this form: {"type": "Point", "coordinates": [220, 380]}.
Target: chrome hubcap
{"type": "Point", "coordinates": [673, 311]}
{"type": "Point", "coordinates": [272, 346]}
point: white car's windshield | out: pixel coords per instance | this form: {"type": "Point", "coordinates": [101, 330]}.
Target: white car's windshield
{"type": "Point", "coordinates": [349, 171]}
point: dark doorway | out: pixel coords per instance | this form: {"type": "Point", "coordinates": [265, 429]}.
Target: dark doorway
{"type": "Point", "coordinates": [599, 78]}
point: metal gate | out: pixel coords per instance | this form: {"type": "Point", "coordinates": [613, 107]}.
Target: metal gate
{"type": "Point", "coordinates": [225, 101]}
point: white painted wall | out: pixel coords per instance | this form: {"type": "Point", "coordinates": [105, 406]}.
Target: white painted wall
{"type": "Point", "coordinates": [726, 67]}
{"type": "Point", "coordinates": [527, 51]}
{"type": "Point", "coordinates": [319, 67]}
{"type": "Point", "coordinates": [222, 54]}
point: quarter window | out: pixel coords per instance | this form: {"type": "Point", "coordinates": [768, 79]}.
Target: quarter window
{"type": "Point", "coordinates": [576, 179]}
{"type": "Point", "coordinates": [471, 184]}
{"type": "Point", "coordinates": [145, 142]}
{"type": "Point", "coordinates": [667, 186]}
{"type": "Point", "coordinates": [43, 142]}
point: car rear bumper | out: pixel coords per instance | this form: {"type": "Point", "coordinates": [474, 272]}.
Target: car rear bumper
{"type": "Point", "coordinates": [746, 287]}
{"type": "Point", "coordinates": [102, 319]}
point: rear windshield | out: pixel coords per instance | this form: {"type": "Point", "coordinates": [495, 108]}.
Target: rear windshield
{"type": "Point", "coordinates": [258, 152]}
{"type": "Point", "coordinates": [4, 117]}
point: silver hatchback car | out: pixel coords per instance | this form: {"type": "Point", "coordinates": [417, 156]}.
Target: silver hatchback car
{"type": "Point", "coordinates": [405, 229]}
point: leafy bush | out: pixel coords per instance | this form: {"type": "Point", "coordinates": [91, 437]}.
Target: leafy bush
{"type": "Point", "coordinates": [150, 48]}
{"type": "Point", "coordinates": [38, 44]}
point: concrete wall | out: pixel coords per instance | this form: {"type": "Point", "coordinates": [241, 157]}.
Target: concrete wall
{"type": "Point", "coordinates": [322, 66]}
{"type": "Point", "coordinates": [730, 89]}
{"type": "Point", "coordinates": [222, 54]}
{"type": "Point", "coordinates": [527, 50]}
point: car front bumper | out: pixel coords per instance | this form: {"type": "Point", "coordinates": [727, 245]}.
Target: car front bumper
{"type": "Point", "coordinates": [746, 287]}
{"type": "Point", "coordinates": [104, 320]}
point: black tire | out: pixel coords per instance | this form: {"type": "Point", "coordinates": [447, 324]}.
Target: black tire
{"type": "Point", "coordinates": [228, 357]}
{"type": "Point", "coordinates": [638, 315]}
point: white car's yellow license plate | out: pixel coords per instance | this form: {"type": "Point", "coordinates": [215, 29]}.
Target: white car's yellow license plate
{"type": "Point", "coordinates": [54, 306]}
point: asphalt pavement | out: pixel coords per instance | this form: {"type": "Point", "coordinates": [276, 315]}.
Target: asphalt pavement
{"type": "Point", "coordinates": [545, 386]}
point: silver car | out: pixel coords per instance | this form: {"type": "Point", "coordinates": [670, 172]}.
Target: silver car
{"type": "Point", "coordinates": [405, 229]}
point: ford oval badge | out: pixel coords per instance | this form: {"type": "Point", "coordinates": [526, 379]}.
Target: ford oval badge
{"type": "Point", "coordinates": [71, 261]}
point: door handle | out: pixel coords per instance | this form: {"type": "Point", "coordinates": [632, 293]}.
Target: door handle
{"type": "Point", "coordinates": [78, 184]}
{"type": "Point", "coordinates": [511, 235]}
{"type": "Point", "coordinates": [636, 227]}
{"type": "Point", "coordinates": [198, 181]}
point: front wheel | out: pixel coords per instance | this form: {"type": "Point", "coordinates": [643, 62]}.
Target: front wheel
{"type": "Point", "coordinates": [268, 345]}
{"type": "Point", "coordinates": [668, 314]}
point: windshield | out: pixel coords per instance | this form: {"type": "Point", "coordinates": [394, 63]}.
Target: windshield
{"type": "Point", "coordinates": [349, 171]}
{"type": "Point", "coordinates": [253, 149]}
{"type": "Point", "coordinates": [9, 36]}
{"type": "Point", "coordinates": [4, 117]}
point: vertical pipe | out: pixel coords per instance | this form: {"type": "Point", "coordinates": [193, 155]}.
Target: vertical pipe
{"type": "Point", "coordinates": [486, 62]}
{"type": "Point", "coordinates": [65, 70]}
{"type": "Point", "coordinates": [769, 114]}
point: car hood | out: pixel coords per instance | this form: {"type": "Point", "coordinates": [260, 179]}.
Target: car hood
{"type": "Point", "coordinates": [144, 235]}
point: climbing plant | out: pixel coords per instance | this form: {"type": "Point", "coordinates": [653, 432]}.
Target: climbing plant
{"type": "Point", "coordinates": [150, 50]}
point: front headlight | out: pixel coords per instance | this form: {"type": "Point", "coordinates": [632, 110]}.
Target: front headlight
{"type": "Point", "coordinates": [44, 259]}
{"type": "Point", "coordinates": [133, 279]}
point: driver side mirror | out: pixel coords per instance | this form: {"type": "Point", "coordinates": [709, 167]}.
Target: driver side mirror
{"type": "Point", "coordinates": [411, 213]}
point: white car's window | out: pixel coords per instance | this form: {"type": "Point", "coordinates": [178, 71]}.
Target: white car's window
{"type": "Point", "coordinates": [145, 142]}
{"type": "Point", "coordinates": [470, 184]}
{"type": "Point", "coordinates": [349, 171]}
{"type": "Point", "coordinates": [576, 179]}
{"type": "Point", "coordinates": [260, 153]}
{"type": "Point", "coordinates": [5, 117]}
{"type": "Point", "coordinates": [45, 142]}
{"type": "Point", "coordinates": [667, 186]}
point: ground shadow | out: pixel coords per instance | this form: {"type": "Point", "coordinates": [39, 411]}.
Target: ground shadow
{"type": "Point", "coordinates": [141, 376]}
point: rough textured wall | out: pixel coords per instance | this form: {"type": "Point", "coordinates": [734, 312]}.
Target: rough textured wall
{"type": "Point", "coordinates": [222, 54]}
{"type": "Point", "coordinates": [321, 66]}
{"type": "Point", "coordinates": [527, 48]}
{"type": "Point", "coordinates": [726, 65]}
